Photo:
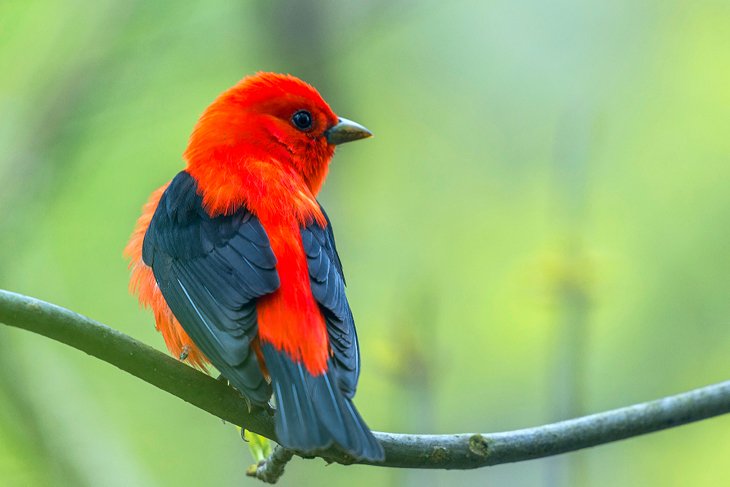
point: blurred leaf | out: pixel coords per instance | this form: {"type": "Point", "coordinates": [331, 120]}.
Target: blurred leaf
{"type": "Point", "coordinates": [259, 446]}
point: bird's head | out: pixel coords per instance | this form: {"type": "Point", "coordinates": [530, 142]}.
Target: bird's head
{"type": "Point", "coordinates": [271, 117]}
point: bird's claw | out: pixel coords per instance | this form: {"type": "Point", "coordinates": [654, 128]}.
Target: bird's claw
{"type": "Point", "coordinates": [184, 352]}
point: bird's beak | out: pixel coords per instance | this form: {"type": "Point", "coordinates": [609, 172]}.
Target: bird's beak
{"type": "Point", "coordinates": [346, 131]}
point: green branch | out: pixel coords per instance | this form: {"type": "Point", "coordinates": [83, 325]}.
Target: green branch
{"type": "Point", "coordinates": [133, 357]}
{"type": "Point", "coordinates": [458, 451]}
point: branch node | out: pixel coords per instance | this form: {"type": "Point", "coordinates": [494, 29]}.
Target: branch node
{"type": "Point", "coordinates": [271, 469]}
{"type": "Point", "coordinates": [479, 445]}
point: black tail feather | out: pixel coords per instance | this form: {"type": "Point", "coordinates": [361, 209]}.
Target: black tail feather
{"type": "Point", "coordinates": [312, 412]}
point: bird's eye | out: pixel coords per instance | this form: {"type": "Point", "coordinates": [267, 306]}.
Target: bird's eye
{"type": "Point", "coordinates": [302, 120]}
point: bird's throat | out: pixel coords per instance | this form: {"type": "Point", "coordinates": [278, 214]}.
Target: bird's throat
{"type": "Point", "coordinates": [271, 190]}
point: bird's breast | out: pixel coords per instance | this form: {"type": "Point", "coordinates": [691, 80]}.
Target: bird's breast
{"type": "Point", "coordinates": [290, 318]}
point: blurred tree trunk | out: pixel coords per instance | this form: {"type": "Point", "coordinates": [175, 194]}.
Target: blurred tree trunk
{"type": "Point", "coordinates": [571, 286]}
{"type": "Point", "coordinates": [415, 339]}
{"type": "Point", "coordinates": [300, 40]}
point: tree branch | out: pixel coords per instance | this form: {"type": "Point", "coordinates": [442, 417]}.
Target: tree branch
{"type": "Point", "coordinates": [458, 451]}
{"type": "Point", "coordinates": [271, 469]}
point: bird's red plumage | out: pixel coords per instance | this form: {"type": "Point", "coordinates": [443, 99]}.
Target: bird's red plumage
{"type": "Point", "coordinates": [242, 153]}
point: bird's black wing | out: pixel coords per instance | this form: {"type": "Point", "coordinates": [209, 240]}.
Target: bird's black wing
{"type": "Point", "coordinates": [210, 271]}
{"type": "Point", "coordinates": [328, 287]}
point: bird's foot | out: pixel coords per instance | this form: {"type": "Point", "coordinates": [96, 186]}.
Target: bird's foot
{"type": "Point", "coordinates": [184, 353]}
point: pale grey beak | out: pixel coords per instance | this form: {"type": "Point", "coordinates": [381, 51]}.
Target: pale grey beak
{"type": "Point", "coordinates": [346, 131]}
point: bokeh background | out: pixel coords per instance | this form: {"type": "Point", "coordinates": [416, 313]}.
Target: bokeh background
{"type": "Point", "coordinates": [539, 229]}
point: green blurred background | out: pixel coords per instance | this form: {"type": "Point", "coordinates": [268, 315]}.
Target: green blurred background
{"type": "Point", "coordinates": [538, 230]}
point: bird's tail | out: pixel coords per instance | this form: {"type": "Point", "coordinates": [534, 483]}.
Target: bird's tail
{"type": "Point", "coordinates": [312, 413]}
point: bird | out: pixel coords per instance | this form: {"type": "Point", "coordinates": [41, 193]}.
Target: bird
{"type": "Point", "coordinates": [236, 258]}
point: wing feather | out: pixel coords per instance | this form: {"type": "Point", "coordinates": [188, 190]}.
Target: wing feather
{"type": "Point", "coordinates": [210, 271]}
{"type": "Point", "coordinates": [327, 282]}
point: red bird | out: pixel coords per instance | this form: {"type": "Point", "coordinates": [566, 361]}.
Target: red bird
{"type": "Point", "coordinates": [238, 262]}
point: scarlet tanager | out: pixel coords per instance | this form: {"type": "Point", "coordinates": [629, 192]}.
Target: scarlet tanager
{"type": "Point", "coordinates": [237, 260]}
